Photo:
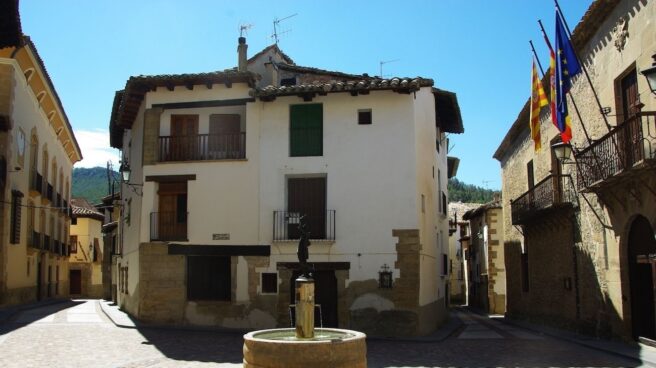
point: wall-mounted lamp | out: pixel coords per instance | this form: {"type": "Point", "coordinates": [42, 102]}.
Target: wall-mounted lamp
{"type": "Point", "coordinates": [562, 151]}
{"type": "Point", "coordinates": [385, 277]}
{"type": "Point", "coordinates": [126, 172]}
{"type": "Point", "coordinates": [650, 74]}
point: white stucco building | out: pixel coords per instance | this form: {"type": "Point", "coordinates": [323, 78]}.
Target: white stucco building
{"type": "Point", "coordinates": [223, 164]}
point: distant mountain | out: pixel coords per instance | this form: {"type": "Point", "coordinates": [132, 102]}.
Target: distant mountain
{"type": "Point", "coordinates": [469, 193]}
{"type": "Point", "coordinates": [91, 183]}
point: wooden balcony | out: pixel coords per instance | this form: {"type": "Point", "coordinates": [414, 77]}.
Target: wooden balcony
{"type": "Point", "coordinates": [625, 150]}
{"type": "Point", "coordinates": [202, 147]}
{"type": "Point", "coordinates": [320, 225]}
{"type": "Point", "coordinates": [553, 192]}
{"type": "Point", "coordinates": [168, 226]}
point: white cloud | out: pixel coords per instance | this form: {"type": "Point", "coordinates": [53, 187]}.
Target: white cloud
{"type": "Point", "coordinates": [95, 148]}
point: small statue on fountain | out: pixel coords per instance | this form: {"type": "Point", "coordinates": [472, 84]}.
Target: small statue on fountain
{"type": "Point", "coordinates": [303, 244]}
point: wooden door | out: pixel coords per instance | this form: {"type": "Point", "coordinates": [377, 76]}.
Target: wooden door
{"type": "Point", "coordinates": [75, 277]}
{"type": "Point", "coordinates": [184, 143]}
{"type": "Point", "coordinates": [307, 196]}
{"type": "Point", "coordinates": [629, 139]}
{"type": "Point", "coordinates": [171, 220]}
{"type": "Point", "coordinates": [325, 295]}
{"type": "Point", "coordinates": [225, 136]}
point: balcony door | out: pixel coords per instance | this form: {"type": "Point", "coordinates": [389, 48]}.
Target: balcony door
{"type": "Point", "coordinates": [307, 196]}
{"type": "Point", "coordinates": [184, 138]}
{"type": "Point", "coordinates": [556, 172]}
{"type": "Point", "coordinates": [171, 220]}
{"type": "Point", "coordinates": [225, 137]}
{"type": "Point", "coordinates": [629, 139]}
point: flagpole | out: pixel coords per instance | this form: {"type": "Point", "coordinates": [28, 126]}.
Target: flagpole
{"type": "Point", "coordinates": [559, 13]}
{"type": "Point", "coordinates": [576, 109]}
{"type": "Point", "coordinates": [536, 57]}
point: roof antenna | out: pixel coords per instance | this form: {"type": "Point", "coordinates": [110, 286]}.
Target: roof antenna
{"type": "Point", "coordinates": [243, 29]}
{"type": "Point", "coordinates": [276, 24]}
{"type": "Point", "coordinates": [386, 62]}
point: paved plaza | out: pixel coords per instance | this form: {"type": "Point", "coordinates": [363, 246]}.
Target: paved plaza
{"type": "Point", "coordinates": [79, 334]}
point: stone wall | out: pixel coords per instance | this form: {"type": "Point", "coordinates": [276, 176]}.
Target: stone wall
{"type": "Point", "coordinates": [162, 291]}
{"type": "Point", "coordinates": [496, 269]}
{"type": "Point", "coordinates": [151, 135]}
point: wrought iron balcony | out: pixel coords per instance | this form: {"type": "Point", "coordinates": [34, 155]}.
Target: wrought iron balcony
{"type": "Point", "coordinates": [320, 225]}
{"type": "Point", "coordinates": [554, 191]}
{"type": "Point", "coordinates": [202, 147]}
{"type": "Point", "coordinates": [167, 226]}
{"type": "Point", "coordinates": [628, 146]}
{"type": "Point", "coordinates": [50, 191]}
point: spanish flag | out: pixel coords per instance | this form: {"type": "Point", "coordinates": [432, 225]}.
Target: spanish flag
{"type": "Point", "coordinates": [538, 100]}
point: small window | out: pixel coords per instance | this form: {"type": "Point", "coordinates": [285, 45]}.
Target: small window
{"type": "Point", "coordinates": [73, 240]}
{"type": "Point", "coordinates": [364, 117]}
{"type": "Point", "coordinates": [445, 264]}
{"type": "Point", "coordinates": [73, 220]}
{"type": "Point", "coordinates": [269, 283]}
{"type": "Point", "coordinates": [423, 203]}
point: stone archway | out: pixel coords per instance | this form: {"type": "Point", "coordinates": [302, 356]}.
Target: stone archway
{"type": "Point", "coordinates": [642, 275]}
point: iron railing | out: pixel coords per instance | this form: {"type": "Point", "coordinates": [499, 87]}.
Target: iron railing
{"type": "Point", "coordinates": [553, 191]}
{"type": "Point", "coordinates": [166, 226]}
{"type": "Point", "coordinates": [620, 149]}
{"type": "Point", "coordinates": [320, 225]}
{"type": "Point", "coordinates": [202, 147]}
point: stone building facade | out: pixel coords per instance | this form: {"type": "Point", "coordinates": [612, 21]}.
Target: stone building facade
{"type": "Point", "coordinates": [37, 153]}
{"type": "Point", "coordinates": [459, 236]}
{"type": "Point", "coordinates": [485, 258]}
{"type": "Point", "coordinates": [577, 233]}
{"type": "Point", "coordinates": [224, 165]}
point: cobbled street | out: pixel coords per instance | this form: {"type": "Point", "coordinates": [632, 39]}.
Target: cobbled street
{"type": "Point", "coordinates": [79, 334]}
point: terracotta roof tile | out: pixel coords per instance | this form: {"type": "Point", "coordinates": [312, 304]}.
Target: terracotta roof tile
{"type": "Point", "coordinates": [82, 208]}
{"type": "Point", "coordinates": [355, 86]}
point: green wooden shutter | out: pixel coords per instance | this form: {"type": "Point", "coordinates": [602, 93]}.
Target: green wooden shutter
{"type": "Point", "coordinates": [306, 130]}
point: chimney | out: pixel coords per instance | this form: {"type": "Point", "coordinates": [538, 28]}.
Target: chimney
{"type": "Point", "coordinates": [241, 54]}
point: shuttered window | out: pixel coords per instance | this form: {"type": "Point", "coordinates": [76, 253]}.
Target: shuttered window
{"type": "Point", "coordinates": [208, 278]}
{"type": "Point", "coordinates": [16, 207]}
{"type": "Point", "coordinates": [306, 130]}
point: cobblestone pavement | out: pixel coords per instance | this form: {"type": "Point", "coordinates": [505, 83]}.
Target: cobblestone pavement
{"type": "Point", "coordinates": [78, 334]}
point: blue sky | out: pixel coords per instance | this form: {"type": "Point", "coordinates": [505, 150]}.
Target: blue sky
{"type": "Point", "coordinates": [477, 48]}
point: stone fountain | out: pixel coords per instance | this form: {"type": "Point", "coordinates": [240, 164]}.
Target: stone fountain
{"type": "Point", "coordinates": [305, 346]}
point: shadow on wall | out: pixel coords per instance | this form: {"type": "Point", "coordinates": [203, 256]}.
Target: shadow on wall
{"type": "Point", "coordinates": [555, 283]}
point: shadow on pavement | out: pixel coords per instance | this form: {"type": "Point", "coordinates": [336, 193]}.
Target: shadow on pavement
{"type": "Point", "coordinates": [15, 317]}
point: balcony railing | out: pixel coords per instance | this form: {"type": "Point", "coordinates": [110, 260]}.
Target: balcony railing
{"type": "Point", "coordinates": [320, 225]}
{"type": "Point", "coordinates": [167, 226]}
{"type": "Point", "coordinates": [554, 191]}
{"type": "Point", "coordinates": [202, 147]}
{"type": "Point", "coordinates": [626, 145]}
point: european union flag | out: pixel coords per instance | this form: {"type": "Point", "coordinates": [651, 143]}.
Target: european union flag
{"type": "Point", "coordinates": [567, 66]}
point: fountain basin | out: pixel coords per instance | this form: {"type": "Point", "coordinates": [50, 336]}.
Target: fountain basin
{"type": "Point", "coordinates": [330, 347]}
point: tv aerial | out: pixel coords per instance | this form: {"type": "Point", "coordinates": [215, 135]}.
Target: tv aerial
{"type": "Point", "coordinates": [381, 63]}
{"type": "Point", "coordinates": [243, 29]}
{"type": "Point", "coordinates": [276, 24]}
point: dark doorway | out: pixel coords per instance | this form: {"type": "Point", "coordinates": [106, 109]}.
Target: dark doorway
{"type": "Point", "coordinates": [307, 196]}
{"type": "Point", "coordinates": [641, 243]}
{"type": "Point", "coordinates": [171, 221]}
{"type": "Point", "coordinates": [75, 277]}
{"type": "Point", "coordinates": [325, 294]}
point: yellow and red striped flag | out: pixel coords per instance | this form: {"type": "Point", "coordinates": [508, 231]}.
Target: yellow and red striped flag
{"type": "Point", "coordinates": [538, 100]}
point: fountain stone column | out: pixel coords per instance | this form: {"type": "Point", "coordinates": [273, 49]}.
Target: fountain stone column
{"type": "Point", "coordinates": [304, 307]}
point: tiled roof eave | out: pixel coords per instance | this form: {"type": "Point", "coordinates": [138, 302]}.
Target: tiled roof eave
{"type": "Point", "coordinates": [405, 85]}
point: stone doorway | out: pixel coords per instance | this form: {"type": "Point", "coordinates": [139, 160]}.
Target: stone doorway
{"type": "Point", "coordinates": [642, 245]}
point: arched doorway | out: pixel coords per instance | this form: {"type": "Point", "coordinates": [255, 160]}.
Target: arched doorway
{"type": "Point", "coordinates": [642, 245]}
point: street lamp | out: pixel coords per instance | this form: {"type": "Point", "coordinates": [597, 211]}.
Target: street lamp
{"type": "Point", "coordinates": [562, 151]}
{"type": "Point", "coordinates": [125, 172]}
{"type": "Point", "coordinates": [650, 74]}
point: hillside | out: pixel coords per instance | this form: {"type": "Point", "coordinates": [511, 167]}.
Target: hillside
{"type": "Point", "coordinates": [91, 183]}
{"type": "Point", "coordinates": [468, 193]}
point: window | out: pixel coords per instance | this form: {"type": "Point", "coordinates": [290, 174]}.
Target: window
{"type": "Point", "coordinates": [16, 207]}
{"type": "Point", "coordinates": [269, 283]}
{"type": "Point", "coordinates": [96, 249]}
{"type": "Point", "coordinates": [73, 244]}
{"type": "Point", "coordinates": [208, 278]}
{"type": "Point", "coordinates": [423, 203]}
{"type": "Point", "coordinates": [306, 130]}
{"type": "Point", "coordinates": [445, 265]}
{"type": "Point", "coordinates": [364, 117]}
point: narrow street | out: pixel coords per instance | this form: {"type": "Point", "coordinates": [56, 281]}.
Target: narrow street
{"type": "Point", "coordinates": [79, 334]}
